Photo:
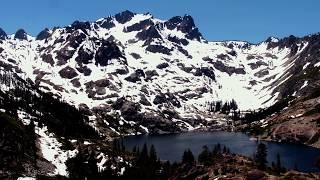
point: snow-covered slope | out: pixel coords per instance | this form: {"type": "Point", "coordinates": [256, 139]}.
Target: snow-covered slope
{"type": "Point", "coordinates": [163, 70]}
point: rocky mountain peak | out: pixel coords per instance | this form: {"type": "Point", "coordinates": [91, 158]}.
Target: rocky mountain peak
{"type": "Point", "coordinates": [186, 25]}
{"type": "Point", "coordinates": [21, 35]}
{"type": "Point", "coordinates": [3, 34]}
{"type": "Point", "coordinates": [44, 34]}
{"type": "Point", "coordinates": [124, 16]}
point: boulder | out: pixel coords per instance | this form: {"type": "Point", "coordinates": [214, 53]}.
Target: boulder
{"type": "Point", "coordinates": [68, 73]}
{"type": "Point", "coordinates": [162, 65]}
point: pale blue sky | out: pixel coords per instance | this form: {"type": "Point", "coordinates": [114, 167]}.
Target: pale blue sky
{"type": "Point", "coordinates": [251, 20]}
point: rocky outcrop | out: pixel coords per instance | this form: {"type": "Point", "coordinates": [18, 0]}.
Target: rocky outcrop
{"type": "Point", "coordinates": [77, 25]}
{"type": "Point", "coordinates": [229, 70]}
{"type": "Point", "coordinates": [149, 34]}
{"type": "Point", "coordinates": [106, 23]}
{"type": "Point", "coordinates": [63, 55]}
{"type": "Point", "coordinates": [48, 59]}
{"type": "Point", "coordinates": [124, 16]}
{"type": "Point", "coordinates": [84, 69]}
{"type": "Point", "coordinates": [21, 35]}
{"type": "Point", "coordinates": [150, 74]}
{"type": "Point", "coordinates": [162, 65]}
{"type": "Point", "coordinates": [186, 25]}
{"type": "Point", "coordinates": [136, 76]}
{"type": "Point", "coordinates": [257, 64]}
{"type": "Point", "coordinates": [139, 26]}
{"type": "Point", "coordinates": [75, 39]}
{"type": "Point", "coordinates": [166, 98]}
{"type": "Point", "coordinates": [84, 56]}
{"type": "Point", "coordinates": [135, 55]}
{"type": "Point", "coordinates": [68, 73]}
{"type": "Point", "coordinates": [3, 34]}
{"type": "Point", "coordinates": [159, 49]}
{"type": "Point", "coordinates": [106, 52]}
{"type": "Point", "coordinates": [206, 71]}
{"type": "Point", "coordinates": [177, 40]}
{"type": "Point", "coordinates": [44, 34]}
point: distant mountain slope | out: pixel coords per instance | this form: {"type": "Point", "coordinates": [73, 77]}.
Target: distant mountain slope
{"type": "Point", "coordinates": [131, 74]}
{"type": "Point", "coordinates": [146, 71]}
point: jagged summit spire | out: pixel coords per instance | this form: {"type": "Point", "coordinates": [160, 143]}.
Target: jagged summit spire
{"type": "Point", "coordinates": [21, 35]}
{"type": "Point", "coordinates": [186, 25]}
{"type": "Point", "coordinates": [3, 34]}
{"type": "Point", "coordinates": [44, 34]}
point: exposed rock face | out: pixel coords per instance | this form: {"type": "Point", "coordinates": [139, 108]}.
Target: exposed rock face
{"type": "Point", "coordinates": [107, 51]}
{"type": "Point", "coordinates": [135, 55]}
{"type": "Point", "coordinates": [175, 39]}
{"type": "Point", "coordinates": [144, 100]}
{"type": "Point", "coordinates": [162, 65]}
{"type": "Point", "coordinates": [48, 59]}
{"type": "Point", "coordinates": [166, 98]}
{"type": "Point", "coordinates": [106, 23]}
{"type": "Point", "coordinates": [146, 56]}
{"type": "Point", "coordinates": [262, 73]}
{"type": "Point", "coordinates": [150, 74]}
{"type": "Point", "coordinates": [206, 71]}
{"type": "Point", "coordinates": [257, 64]}
{"type": "Point", "coordinates": [136, 76]}
{"type": "Point", "coordinates": [77, 25]}
{"type": "Point", "coordinates": [230, 70]}
{"type": "Point", "coordinates": [68, 73]}
{"type": "Point", "coordinates": [124, 16]}
{"type": "Point", "coordinates": [186, 25]}
{"type": "Point", "coordinates": [159, 49]}
{"type": "Point", "coordinates": [3, 34]}
{"type": "Point", "coordinates": [44, 34]}
{"type": "Point", "coordinates": [21, 35]}
{"type": "Point", "coordinates": [76, 83]}
{"type": "Point", "coordinates": [85, 70]}
{"type": "Point", "coordinates": [84, 56]}
{"type": "Point", "coordinates": [63, 55]}
{"type": "Point", "coordinates": [149, 34]}
{"type": "Point", "coordinates": [75, 39]}
{"type": "Point", "coordinates": [139, 26]}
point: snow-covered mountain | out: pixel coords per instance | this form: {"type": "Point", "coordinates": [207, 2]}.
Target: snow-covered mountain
{"type": "Point", "coordinates": [133, 70]}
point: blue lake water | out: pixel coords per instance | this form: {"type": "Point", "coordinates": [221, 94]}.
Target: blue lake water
{"type": "Point", "coordinates": [171, 147]}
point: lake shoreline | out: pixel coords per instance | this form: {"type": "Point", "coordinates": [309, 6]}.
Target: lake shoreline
{"type": "Point", "coordinates": [239, 143]}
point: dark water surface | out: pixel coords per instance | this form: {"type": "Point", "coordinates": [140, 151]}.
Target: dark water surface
{"type": "Point", "coordinates": [171, 147]}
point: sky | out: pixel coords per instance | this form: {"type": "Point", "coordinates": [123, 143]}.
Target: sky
{"type": "Point", "coordinates": [248, 20]}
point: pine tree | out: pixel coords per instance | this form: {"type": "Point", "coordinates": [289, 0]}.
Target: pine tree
{"type": "Point", "coordinates": [187, 157]}
{"type": "Point", "coordinates": [143, 157]}
{"type": "Point", "coordinates": [205, 156]}
{"type": "Point", "coordinates": [153, 154]}
{"type": "Point", "coordinates": [261, 156]}
{"type": "Point", "coordinates": [278, 164]}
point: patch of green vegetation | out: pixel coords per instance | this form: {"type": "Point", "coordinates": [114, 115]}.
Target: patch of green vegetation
{"type": "Point", "coordinates": [7, 121]}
